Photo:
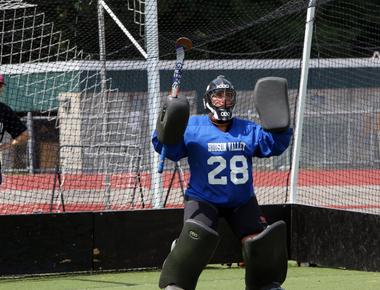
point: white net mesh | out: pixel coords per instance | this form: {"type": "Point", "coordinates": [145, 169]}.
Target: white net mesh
{"type": "Point", "coordinates": [90, 113]}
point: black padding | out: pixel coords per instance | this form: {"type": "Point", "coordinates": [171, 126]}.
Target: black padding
{"type": "Point", "coordinates": [172, 120]}
{"type": "Point", "coordinates": [271, 101]}
{"type": "Point", "coordinates": [192, 252]}
{"type": "Point", "coordinates": [266, 257]}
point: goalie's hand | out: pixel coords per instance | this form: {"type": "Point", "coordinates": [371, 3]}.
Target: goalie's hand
{"type": "Point", "coordinates": [272, 104]}
{"type": "Point", "coordinates": [172, 120]}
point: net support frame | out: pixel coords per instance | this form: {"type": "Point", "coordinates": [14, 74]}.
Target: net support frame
{"type": "Point", "coordinates": [153, 74]}
{"type": "Point", "coordinates": [123, 28]}
{"type": "Point", "coordinates": [295, 163]}
{"type": "Point", "coordinates": [151, 55]}
{"type": "Point", "coordinates": [103, 93]}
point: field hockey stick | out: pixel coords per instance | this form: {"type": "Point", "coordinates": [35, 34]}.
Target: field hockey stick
{"type": "Point", "coordinates": [181, 44]}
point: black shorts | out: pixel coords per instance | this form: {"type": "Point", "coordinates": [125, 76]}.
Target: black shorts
{"type": "Point", "coordinates": [244, 220]}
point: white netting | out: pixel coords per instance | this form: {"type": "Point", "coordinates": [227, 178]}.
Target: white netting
{"type": "Point", "coordinates": [89, 102]}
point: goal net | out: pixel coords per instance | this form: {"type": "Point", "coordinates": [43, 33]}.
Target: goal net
{"type": "Point", "coordinates": [340, 151]}
{"type": "Point", "coordinates": [82, 78]}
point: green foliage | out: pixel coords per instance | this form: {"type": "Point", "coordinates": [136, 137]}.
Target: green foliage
{"type": "Point", "coordinates": [224, 29]}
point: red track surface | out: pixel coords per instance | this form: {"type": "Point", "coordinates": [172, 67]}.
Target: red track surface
{"type": "Point", "coordinates": [45, 182]}
{"type": "Point", "coordinates": [261, 178]}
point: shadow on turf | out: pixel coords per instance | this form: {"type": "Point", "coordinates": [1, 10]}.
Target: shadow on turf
{"type": "Point", "coordinates": [105, 282]}
{"type": "Point", "coordinates": [31, 278]}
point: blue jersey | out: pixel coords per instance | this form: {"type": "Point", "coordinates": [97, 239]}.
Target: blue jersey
{"type": "Point", "coordinates": [221, 162]}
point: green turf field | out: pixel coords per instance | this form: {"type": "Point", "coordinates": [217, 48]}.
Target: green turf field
{"type": "Point", "coordinates": [215, 277]}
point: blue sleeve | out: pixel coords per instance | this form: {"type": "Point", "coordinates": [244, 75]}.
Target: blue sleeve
{"type": "Point", "coordinates": [174, 152]}
{"type": "Point", "coordinates": [271, 144]}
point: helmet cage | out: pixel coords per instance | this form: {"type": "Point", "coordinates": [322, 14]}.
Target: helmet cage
{"type": "Point", "coordinates": [218, 85]}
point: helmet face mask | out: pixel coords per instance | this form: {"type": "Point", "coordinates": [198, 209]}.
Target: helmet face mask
{"type": "Point", "coordinates": [220, 99]}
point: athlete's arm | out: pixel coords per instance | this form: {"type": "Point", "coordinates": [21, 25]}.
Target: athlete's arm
{"type": "Point", "coordinates": [19, 140]}
{"type": "Point", "coordinates": [174, 152]}
{"type": "Point", "coordinates": [14, 126]}
{"type": "Point", "coordinates": [271, 143]}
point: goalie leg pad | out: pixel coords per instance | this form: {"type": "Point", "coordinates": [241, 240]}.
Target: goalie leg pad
{"type": "Point", "coordinates": [191, 253]}
{"type": "Point", "coordinates": [172, 120]}
{"type": "Point", "coordinates": [266, 258]}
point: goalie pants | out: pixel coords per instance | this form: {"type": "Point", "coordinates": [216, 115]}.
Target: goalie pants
{"type": "Point", "coordinates": [244, 220]}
